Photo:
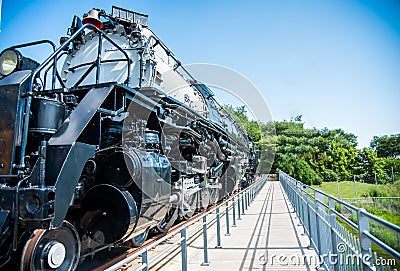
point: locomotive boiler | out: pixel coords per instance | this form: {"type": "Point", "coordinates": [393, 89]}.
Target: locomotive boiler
{"type": "Point", "coordinates": [107, 139]}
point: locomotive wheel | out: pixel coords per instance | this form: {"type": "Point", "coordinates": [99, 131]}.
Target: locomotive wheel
{"type": "Point", "coordinates": [138, 240]}
{"type": "Point", "coordinates": [214, 196]}
{"type": "Point", "coordinates": [56, 249]}
{"type": "Point", "coordinates": [192, 202]}
{"type": "Point", "coordinates": [168, 220]}
{"type": "Point", "coordinates": [205, 198]}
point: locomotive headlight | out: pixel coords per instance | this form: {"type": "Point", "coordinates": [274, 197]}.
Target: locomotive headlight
{"type": "Point", "coordinates": [9, 61]}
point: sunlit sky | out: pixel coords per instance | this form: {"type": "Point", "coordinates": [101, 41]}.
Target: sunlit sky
{"type": "Point", "coordinates": [337, 63]}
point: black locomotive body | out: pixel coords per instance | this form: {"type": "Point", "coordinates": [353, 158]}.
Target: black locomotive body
{"type": "Point", "coordinates": [105, 140]}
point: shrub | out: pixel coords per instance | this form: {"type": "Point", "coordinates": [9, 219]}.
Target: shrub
{"type": "Point", "coordinates": [304, 173]}
{"type": "Point", "coordinates": [375, 192]}
{"type": "Point", "coordinates": [329, 175]}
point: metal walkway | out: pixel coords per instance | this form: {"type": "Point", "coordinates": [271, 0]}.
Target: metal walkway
{"type": "Point", "coordinates": [266, 237]}
{"type": "Point", "coordinates": [275, 225]}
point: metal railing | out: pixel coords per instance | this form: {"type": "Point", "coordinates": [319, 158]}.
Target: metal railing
{"type": "Point", "coordinates": [51, 61]}
{"type": "Point", "coordinates": [356, 240]}
{"type": "Point", "coordinates": [238, 204]}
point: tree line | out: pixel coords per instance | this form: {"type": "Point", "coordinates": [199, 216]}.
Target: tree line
{"type": "Point", "coordinates": [316, 155]}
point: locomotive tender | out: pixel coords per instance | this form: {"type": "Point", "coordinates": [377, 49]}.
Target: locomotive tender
{"type": "Point", "coordinates": [107, 139]}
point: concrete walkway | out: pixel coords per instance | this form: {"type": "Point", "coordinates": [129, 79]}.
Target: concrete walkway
{"type": "Point", "coordinates": [268, 237]}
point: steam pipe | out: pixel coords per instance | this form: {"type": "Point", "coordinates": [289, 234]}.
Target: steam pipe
{"type": "Point", "coordinates": [217, 169]}
{"type": "Point", "coordinates": [185, 130]}
{"type": "Point", "coordinates": [98, 60]}
{"type": "Point", "coordinates": [218, 151]}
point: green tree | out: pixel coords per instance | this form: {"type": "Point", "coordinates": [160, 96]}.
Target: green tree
{"type": "Point", "coordinates": [342, 158]}
{"type": "Point", "coordinates": [329, 175]}
{"type": "Point", "coordinates": [392, 168]}
{"type": "Point", "coordinates": [312, 155]}
{"type": "Point", "coordinates": [386, 146]}
{"type": "Point", "coordinates": [371, 166]}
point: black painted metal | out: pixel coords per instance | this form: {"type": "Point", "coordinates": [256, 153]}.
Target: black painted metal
{"type": "Point", "coordinates": [11, 87]}
{"type": "Point", "coordinates": [72, 128]}
{"type": "Point", "coordinates": [68, 177]}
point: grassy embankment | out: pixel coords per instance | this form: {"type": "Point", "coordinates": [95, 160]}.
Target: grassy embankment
{"type": "Point", "coordinates": [347, 190]}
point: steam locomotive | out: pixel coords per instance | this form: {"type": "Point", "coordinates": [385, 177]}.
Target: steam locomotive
{"type": "Point", "coordinates": [108, 138]}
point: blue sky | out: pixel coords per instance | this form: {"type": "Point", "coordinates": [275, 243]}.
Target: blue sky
{"type": "Point", "coordinates": [337, 63]}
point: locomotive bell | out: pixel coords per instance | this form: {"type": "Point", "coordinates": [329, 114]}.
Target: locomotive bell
{"type": "Point", "coordinates": [93, 18]}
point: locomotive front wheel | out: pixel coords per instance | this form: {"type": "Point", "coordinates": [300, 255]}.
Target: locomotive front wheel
{"type": "Point", "coordinates": [56, 249]}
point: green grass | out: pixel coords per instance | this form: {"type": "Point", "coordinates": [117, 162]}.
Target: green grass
{"type": "Point", "coordinates": [346, 189]}
{"type": "Point", "coordinates": [392, 217]}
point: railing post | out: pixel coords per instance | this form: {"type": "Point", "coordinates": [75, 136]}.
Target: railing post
{"type": "Point", "coordinates": [145, 260]}
{"type": "Point", "coordinates": [299, 201]}
{"type": "Point", "coordinates": [227, 218]}
{"type": "Point", "coordinates": [246, 199]}
{"type": "Point", "coordinates": [332, 225]}
{"type": "Point", "coordinates": [184, 249]}
{"type": "Point", "coordinates": [243, 199]}
{"type": "Point", "coordinates": [308, 216]}
{"type": "Point", "coordinates": [363, 225]}
{"type": "Point", "coordinates": [205, 242]}
{"type": "Point", "coordinates": [317, 228]}
{"type": "Point", "coordinates": [303, 207]}
{"type": "Point", "coordinates": [233, 212]}
{"type": "Point", "coordinates": [238, 205]}
{"type": "Point", "coordinates": [298, 185]}
{"type": "Point", "coordinates": [218, 229]}
{"type": "Point", "coordinates": [290, 195]}
{"type": "Point", "coordinates": [295, 206]}
{"type": "Point", "coordinates": [318, 208]}
{"type": "Point", "coordinates": [301, 204]}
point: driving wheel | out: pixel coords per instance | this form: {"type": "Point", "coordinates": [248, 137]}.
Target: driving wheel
{"type": "Point", "coordinates": [168, 220]}
{"type": "Point", "coordinates": [138, 240]}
